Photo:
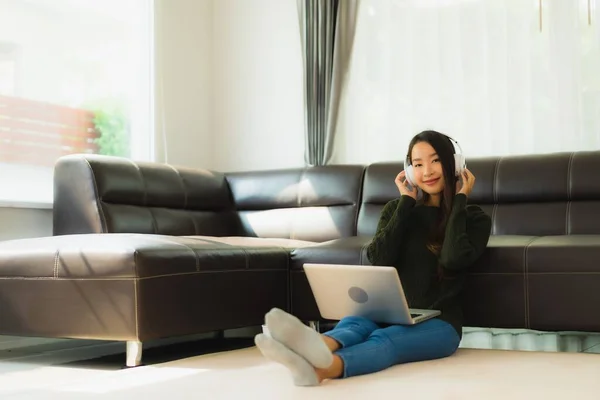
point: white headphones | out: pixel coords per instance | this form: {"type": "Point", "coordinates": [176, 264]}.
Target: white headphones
{"type": "Point", "coordinates": [460, 163]}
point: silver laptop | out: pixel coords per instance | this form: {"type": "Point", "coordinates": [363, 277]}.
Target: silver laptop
{"type": "Point", "coordinates": [372, 292]}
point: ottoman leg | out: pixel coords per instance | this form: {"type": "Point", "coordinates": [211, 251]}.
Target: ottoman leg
{"type": "Point", "coordinates": [134, 353]}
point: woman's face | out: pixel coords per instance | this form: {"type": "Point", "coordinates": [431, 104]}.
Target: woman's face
{"type": "Point", "coordinates": [427, 167]}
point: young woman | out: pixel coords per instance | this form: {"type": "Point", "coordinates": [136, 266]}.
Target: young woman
{"type": "Point", "coordinates": [431, 238]}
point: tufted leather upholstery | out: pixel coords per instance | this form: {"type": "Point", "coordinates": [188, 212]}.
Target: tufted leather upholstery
{"type": "Point", "coordinates": [554, 194]}
{"type": "Point", "coordinates": [315, 204]}
{"type": "Point", "coordinates": [540, 206]}
{"type": "Point", "coordinates": [144, 250]}
{"type": "Point", "coordinates": [96, 194]}
{"type": "Point", "coordinates": [99, 194]}
{"type": "Point", "coordinates": [135, 286]}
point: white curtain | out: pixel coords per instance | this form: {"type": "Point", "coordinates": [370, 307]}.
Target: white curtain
{"type": "Point", "coordinates": [490, 73]}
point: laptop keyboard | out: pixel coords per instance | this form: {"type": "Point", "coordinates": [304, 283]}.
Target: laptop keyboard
{"type": "Point", "coordinates": [415, 315]}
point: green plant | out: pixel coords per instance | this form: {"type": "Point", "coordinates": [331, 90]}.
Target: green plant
{"type": "Point", "coordinates": [112, 124]}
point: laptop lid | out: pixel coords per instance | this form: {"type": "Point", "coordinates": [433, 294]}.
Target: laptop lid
{"type": "Point", "coordinates": [373, 292]}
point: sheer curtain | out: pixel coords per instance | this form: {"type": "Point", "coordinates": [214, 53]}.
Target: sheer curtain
{"type": "Point", "coordinates": [490, 73]}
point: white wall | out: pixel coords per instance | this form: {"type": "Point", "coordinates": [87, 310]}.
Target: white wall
{"type": "Point", "coordinates": [17, 223]}
{"type": "Point", "coordinates": [229, 84]}
{"type": "Point", "coordinates": [183, 70]}
{"type": "Point", "coordinates": [257, 85]}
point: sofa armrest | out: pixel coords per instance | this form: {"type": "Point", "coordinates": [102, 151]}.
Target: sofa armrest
{"type": "Point", "coordinates": [103, 194]}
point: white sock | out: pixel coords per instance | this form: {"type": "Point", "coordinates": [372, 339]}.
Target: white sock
{"type": "Point", "coordinates": [303, 374]}
{"type": "Point", "coordinates": [293, 334]}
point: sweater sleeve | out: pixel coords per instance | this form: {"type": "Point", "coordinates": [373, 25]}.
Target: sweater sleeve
{"type": "Point", "coordinates": [467, 234]}
{"type": "Point", "coordinates": [385, 248]}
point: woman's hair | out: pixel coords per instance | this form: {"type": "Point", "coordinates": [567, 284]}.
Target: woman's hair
{"type": "Point", "coordinates": [445, 150]}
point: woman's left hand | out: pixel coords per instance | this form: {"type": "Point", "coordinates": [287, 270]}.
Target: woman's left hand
{"type": "Point", "coordinates": [468, 181]}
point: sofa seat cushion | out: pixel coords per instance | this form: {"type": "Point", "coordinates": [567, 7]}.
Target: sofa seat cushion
{"type": "Point", "coordinates": [350, 250]}
{"type": "Point", "coordinates": [528, 282]}
{"type": "Point", "coordinates": [97, 256]}
{"type": "Point", "coordinates": [132, 286]}
{"type": "Point", "coordinates": [258, 242]}
{"type": "Point", "coordinates": [494, 293]}
{"type": "Point", "coordinates": [563, 282]}
{"type": "Point", "coordinates": [495, 288]}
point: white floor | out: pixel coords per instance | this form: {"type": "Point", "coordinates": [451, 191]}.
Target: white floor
{"type": "Point", "coordinates": [245, 374]}
{"type": "Point", "coordinates": [561, 370]}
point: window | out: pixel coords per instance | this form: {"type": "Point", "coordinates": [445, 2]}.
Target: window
{"type": "Point", "coordinates": [75, 77]}
{"type": "Point", "coordinates": [503, 77]}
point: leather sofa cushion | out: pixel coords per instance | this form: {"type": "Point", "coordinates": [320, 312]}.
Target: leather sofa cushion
{"type": "Point", "coordinates": [495, 288]}
{"type": "Point", "coordinates": [100, 256]}
{"type": "Point", "coordinates": [563, 277]}
{"type": "Point", "coordinates": [536, 195]}
{"type": "Point", "coordinates": [494, 293]}
{"type": "Point", "coordinates": [136, 287]}
{"type": "Point", "coordinates": [258, 242]}
{"type": "Point", "coordinates": [352, 250]}
{"type": "Point", "coordinates": [311, 204]}
{"type": "Point", "coordinates": [101, 194]}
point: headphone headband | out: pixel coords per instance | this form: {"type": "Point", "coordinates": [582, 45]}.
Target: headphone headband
{"type": "Point", "coordinates": [455, 144]}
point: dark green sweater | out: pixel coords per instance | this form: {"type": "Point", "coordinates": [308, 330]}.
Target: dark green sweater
{"type": "Point", "coordinates": [401, 241]}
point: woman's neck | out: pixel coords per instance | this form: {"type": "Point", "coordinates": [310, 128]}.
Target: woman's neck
{"type": "Point", "coordinates": [434, 200]}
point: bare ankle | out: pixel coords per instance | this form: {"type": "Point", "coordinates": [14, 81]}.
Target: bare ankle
{"type": "Point", "coordinates": [334, 371]}
{"type": "Point", "coordinates": [332, 344]}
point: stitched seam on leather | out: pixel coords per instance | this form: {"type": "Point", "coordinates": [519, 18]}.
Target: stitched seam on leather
{"type": "Point", "coordinates": [154, 224]}
{"type": "Point", "coordinates": [526, 281]}
{"type": "Point", "coordinates": [494, 211]}
{"type": "Point", "coordinates": [26, 278]}
{"type": "Point", "coordinates": [569, 193]}
{"type": "Point", "coordinates": [56, 264]}
{"type": "Point", "coordinates": [298, 206]}
{"type": "Point", "coordinates": [495, 189]}
{"type": "Point", "coordinates": [145, 199]}
{"type": "Point", "coordinates": [495, 273]}
{"type": "Point", "coordinates": [37, 278]}
{"type": "Point", "coordinates": [568, 219]}
{"type": "Point", "coordinates": [196, 258]}
{"type": "Point", "coordinates": [495, 195]}
{"type": "Point", "coordinates": [185, 198]}
{"type": "Point", "coordinates": [569, 178]}
{"type": "Point", "coordinates": [135, 293]}
{"type": "Point", "coordinates": [196, 232]}
{"type": "Point", "coordinates": [185, 193]}
{"type": "Point", "coordinates": [564, 273]}
{"type": "Point", "coordinates": [104, 225]}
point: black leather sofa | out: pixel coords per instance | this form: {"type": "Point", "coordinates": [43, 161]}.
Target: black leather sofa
{"type": "Point", "coordinates": [144, 251]}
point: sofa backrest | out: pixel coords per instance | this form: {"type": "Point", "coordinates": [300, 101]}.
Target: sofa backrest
{"type": "Point", "coordinates": [548, 194]}
{"type": "Point", "coordinates": [101, 194]}
{"type": "Point", "coordinates": [316, 204]}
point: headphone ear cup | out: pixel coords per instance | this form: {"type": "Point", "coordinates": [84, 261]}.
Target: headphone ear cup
{"type": "Point", "coordinates": [410, 175]}
{"type": "Point", "coordinates": [459, 164]}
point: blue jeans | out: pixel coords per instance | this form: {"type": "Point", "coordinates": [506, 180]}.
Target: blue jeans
{"type": "Point", "coordinates": [367, 348]}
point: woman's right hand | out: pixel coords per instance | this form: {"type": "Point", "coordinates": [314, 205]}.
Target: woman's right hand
{"type": "Point", "coordinates": [403, 186]}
